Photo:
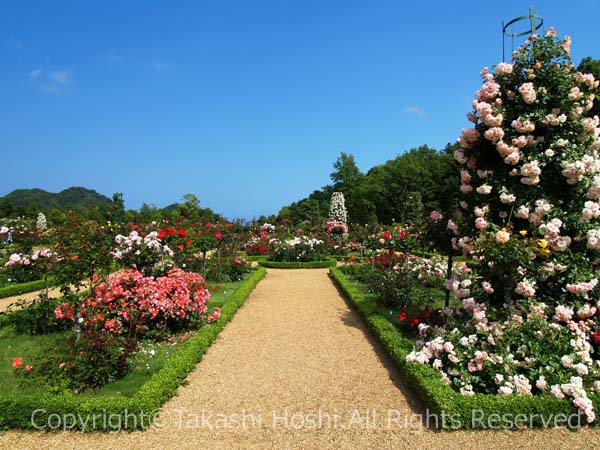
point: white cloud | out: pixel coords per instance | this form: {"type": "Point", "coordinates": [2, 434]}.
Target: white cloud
{"type": "Point", "coordinates": [53, 82]}
{"type": "Point", "coordinates": [50, 88]}
{"type": "Point", "coordinates": [113, 58]}
{"type": "Point", "coordinates": [160, 65]}
{"type": "Point", "coordinates": [17, 44]}
{"type": "Point", "coordinates": [61, 77]}
{"type": "Point", "coordinates": [414, 110]}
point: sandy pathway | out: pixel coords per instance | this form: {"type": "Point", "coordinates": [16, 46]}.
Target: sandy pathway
{"type": "Point", "coordinates": [296, 369]}
{"type": "Point", "coordinates": [28, 297]}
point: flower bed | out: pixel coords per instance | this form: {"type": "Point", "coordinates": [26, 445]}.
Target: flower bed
{"type": "Point", "coordinates": [298, 249]}
{"type": "Point", "coordinates": [454, 410]}
{"type": "Point", "coordinates": [133, 412]}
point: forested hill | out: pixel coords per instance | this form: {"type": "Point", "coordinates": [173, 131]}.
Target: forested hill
{"type": "Point", "coordinates": [27, 200]}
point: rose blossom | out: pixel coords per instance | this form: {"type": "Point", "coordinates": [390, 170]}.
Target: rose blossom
{"type": "Point", "coordinates": [503, 236]}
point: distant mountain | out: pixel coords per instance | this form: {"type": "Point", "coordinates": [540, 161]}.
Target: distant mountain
{"type": "Point", "coordinates": [171, 207]}
{"type": "Point", "coordinates": [44, 201]}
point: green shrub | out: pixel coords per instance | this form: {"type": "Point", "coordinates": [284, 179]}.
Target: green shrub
{"type": "Point", "coordinates": [36, 317]}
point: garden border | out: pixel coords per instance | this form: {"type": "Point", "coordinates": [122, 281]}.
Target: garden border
{"type": "Point", "coordinates": [258, 258]}
{"type": "Point", "coordinates": [25, 288]}
{"type": "Point", "coordinates": [453, 410]}
{"type": "Point", "coordinates": [299, 265]}
{"type": "Point", "coordinates": [125, 413]}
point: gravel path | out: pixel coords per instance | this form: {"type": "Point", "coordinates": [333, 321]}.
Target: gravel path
{"type": "Point", "coordinates": [29, 296]}
{"type": "Point", "coordinates": [296, 369]}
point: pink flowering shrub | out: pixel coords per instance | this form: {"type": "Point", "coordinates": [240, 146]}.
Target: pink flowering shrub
{"type": "Point", "coordinates": [27, 267]}
{"type": "Point", "coordinates": [530, 181]}
{"type": "Point", "coordinates": [530, 173]}
{"type": "Point", "coordinates": [334, 227]}
{"type": "Point", "coordinates": [538, 349]}
{"type": "Point", "coordinates": [130, 303]}
{"type": "Point", "coordinates": [141, 252]}
{"type": "Point", "coordinates": [123, 309]}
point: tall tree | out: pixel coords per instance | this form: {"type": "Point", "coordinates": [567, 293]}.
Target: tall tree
{"type": "Point", "coordinates": [589, 65]}
{"type": "Point", "coordinates": [117, 213]}
{"type": "Point", "coordinates": [349, 180]}
{"type": "Point", "coordinates": [346, 173]}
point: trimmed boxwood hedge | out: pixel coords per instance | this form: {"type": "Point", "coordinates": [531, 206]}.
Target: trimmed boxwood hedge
{"type": "Point", "coordinates": [299, 265]}
{"type": "Point", "coordinates": [24, 288]}
{"type": "Point", "coordinates": [124, 413]}
{"type": "Point", "coordinates": [452, 409]}
{"type": "Point", "coordinates": [424, 254]}
{"type": "Point", "coordinates": [471, 264]}
{"type": "Point", "coordinates": [257, 257]}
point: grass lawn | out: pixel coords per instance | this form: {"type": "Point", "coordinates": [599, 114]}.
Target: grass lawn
{"type": "Point", "coordinates": [145, 363]}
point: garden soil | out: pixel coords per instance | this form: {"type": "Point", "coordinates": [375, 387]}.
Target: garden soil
{"type": "Point", "coordinates": [297, 369]}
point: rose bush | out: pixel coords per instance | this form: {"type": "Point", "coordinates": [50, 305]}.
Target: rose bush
{"type": "Point", "coordinates": [530, 179]}
{"type": "Point", "coordinates": [299, 249]}
{"type": "Point", "coordinates": [530, 165]}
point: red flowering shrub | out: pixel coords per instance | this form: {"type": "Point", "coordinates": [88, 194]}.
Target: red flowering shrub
{"type": "Point", "coordinates": [257, 249]}
{"type": "Point", "coordinates": [411, 319]}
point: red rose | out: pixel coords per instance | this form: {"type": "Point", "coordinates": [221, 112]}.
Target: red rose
{"type": "Point", "coordinates": [402, 234]}
{"type": "Point", "coordinates": [387, 235]}
{"type": "Point", "coordinates": [218, 235]}
{"type": "Point", "coordinates": [414, 322]}
{"type": "Point", "coordinates": [596, 338]}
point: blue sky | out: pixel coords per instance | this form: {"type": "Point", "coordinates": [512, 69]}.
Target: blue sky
{"type": "Point", "coordinates": [245, 104]}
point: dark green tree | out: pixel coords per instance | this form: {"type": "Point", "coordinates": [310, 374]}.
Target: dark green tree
{"type": "Point", "coordinates": [589, 65]}
{"type": "Point", "coordinates": [117, 211]}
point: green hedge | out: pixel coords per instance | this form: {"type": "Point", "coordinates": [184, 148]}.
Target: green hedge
{"type": "Point", "coordinates": [424, 254]}
{"type": "Point", "coordinates": [471, 264]}
{"type": "Point", "coordinates": [257, 257]}
{"type": "Point", "coordinates": [124, 413]}
{"type": "Point", "coordinates": [452, 409]}
{"type": "Point", "coordinates": [24, 288]}
{"type": "Point", "coordinates": [299, 265]}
